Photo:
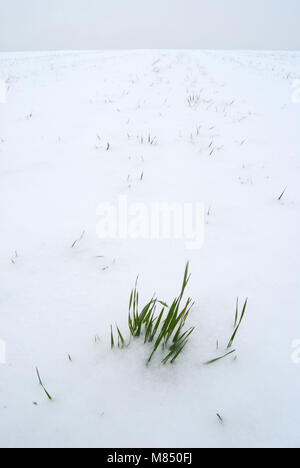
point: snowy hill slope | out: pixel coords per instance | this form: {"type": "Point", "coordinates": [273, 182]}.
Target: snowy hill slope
{"type": "Point", "coordinates": [74, 134]}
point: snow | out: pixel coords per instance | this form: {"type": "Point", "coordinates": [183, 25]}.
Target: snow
{"type": "Point", "coordinates": [55, 300]}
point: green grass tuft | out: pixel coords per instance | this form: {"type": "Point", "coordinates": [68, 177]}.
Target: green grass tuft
{"type": "Point", "coordinates": [161, 326]}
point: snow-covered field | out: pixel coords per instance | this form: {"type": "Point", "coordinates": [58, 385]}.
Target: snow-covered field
{"type": "Point", "coordinates": [74, 134]}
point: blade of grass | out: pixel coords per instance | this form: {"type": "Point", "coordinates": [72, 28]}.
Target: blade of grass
{"type": "Point", "coordinates": [156, 325]}
{"type": "Point", "coordinates": [279, 198]}
{"type": "Point", "coordinates": [184, 335]}
{"type": "Point", "coordinates": [186, 279]}
{"type": "Point", "coordinates": [219, 358]}
{"type": "Point", "coordinates": [179, 352]}
{"type": "Point", "coordinates": [238, 325]}
{"type": "Point", "coordinates": [112, 341]}
{"type": "Point", "coordinates": [174, 352]}
{"type": "Point", "coordinates": [42, 385]}
{"type": "Point", "coordinates": [164, 328]}
{"type": "Point", "coordinates": [120, 336]}
{"type": "Point", "coordinates": [78, 240]}
{"type": "Point", "coordinates": [236, 313]}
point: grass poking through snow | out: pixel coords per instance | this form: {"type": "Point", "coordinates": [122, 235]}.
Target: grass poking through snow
{"type": "Point", "coordinates": [42, 385]}
{"type": "Point", "coordinates": [78, 240]}
{"type": "Point", "coordinates": [160, 326]}
{"type": "Point", "coordinates": [164, 328]}
{"type": "Point", "coordinates": [208, 363]}
{"type": "Point", "coordinates": [281, 196]}
{"type": "Point", "coordinates": [237, 323]}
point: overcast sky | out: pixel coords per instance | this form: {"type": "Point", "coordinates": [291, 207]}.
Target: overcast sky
{"type": "Point", "coordinates": [135, 24]}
